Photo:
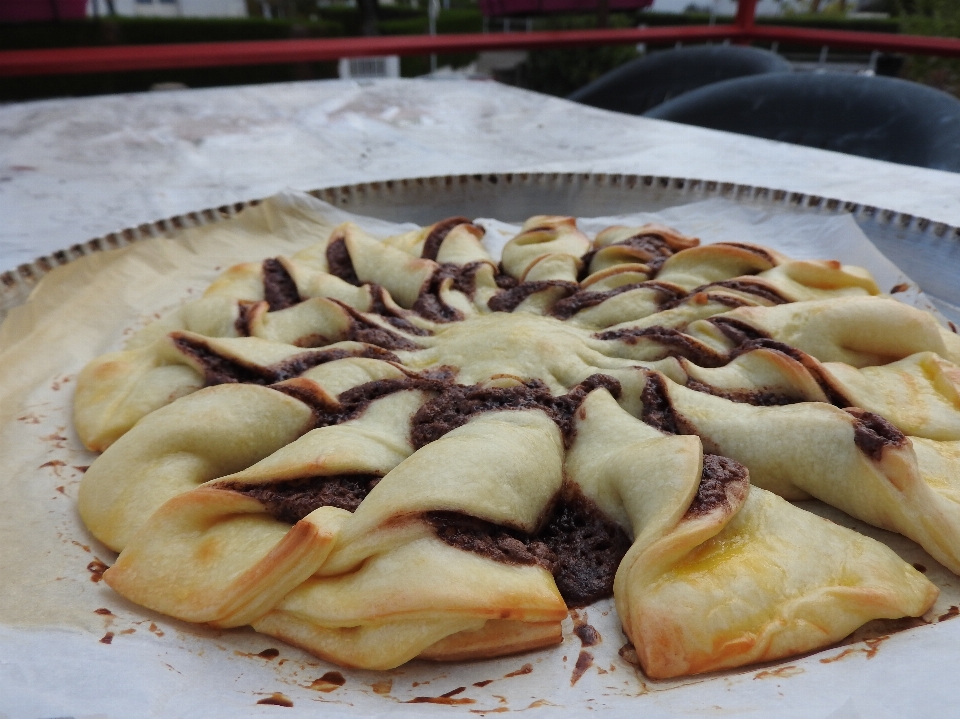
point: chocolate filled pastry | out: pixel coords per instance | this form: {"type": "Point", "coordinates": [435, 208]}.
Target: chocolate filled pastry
{"type": "Point", "coordinates": [386, 449]}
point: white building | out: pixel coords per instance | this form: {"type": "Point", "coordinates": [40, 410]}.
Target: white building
{"type": "Point", "coordinates": [173, 8]}
{"type": "Point", "coordinates": [724, 7]}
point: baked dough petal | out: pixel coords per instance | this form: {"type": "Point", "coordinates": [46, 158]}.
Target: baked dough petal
{"type": "Point", "coordinates": [412, 597]}
{"type": "Point", "coordinates": [804, 280]}
{"type": "Point", "coordinates": [116, 390]}
{"type": "Point", "coordinates": [769, 582]}
{"type": "Point", "coordinates": [313, 282]}
{"type": "Point", "coordinates": [858, 331]}
{"type": "Point", "coordinates": [706, 264]}
{"type": "Point", "coordinates": [455, 240]}
{"type": "Point", "coordinates": [851, 459]}
{"type": "Point", "coordinates": [214, 556]}
{"type": "Point", "coordinates": [374, 262]}
{"type": "Point", "coordinates": [621, 297]}
{"type": "Point", "coordinates": [211, 433]}
{"type": "Point", "coordinates": [373, 443]}
{"type": "Point", "coordinates": [390, 576]}
{"type": "Point", "coordinates": [721, 574]}
{"type": "Point", "coordinates": [610, 302]}
{"type": "Point", "coordinates": [634, 250]}
{"type": "Point", "coordinates": [920, 394]}
{"type": "Point", "coordinates": [497, 637]}
{"type": "Point", "coordinates": [226, 553]}
{"type": "Point", "coordinates": [500, 467]}
{"type": "Point", "coordinates": [765, 375]}
{"type": "Point", "coordinates": [314, 322]}
{"type": "Point", "coordinates": [551, 239]}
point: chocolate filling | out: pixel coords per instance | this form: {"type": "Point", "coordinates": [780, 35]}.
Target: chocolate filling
{"type": "Point", "coordinates": [454, 407]}
{"type": "Point", "coordinates": [502, 544]}
{"type": "Point", "coordinates": [298, 364]}
{"type": "Point", "coordinates": [654, 250]}
{"type": "Point", "coordinates": [759, 252]}
{"type": "Point", "coordinates": [589, 547]}
{"type": "Point", "coordinates": [242, 323]}
{"type": "Point", "coordinates": [654, 245]}
{"type": "Point", "coordinates": [363, 330]}
{"type": "Point", "coordinates": [279, 289]}
{"type": "Point", "coordinates": [702, 298]}
{"type": "Point", "coordinates": [465, 276]}
{"type": "Point", "coordinates": [872, 433]}
{"type": "Point", "coordinates": [339, 262]}
{"type": "Point", "coordinates": [675, 343]}
{"type": "Point", "coordinates": [578, 544]}
{"type": "Point", "coordinates": [717, 473]}
{"type": "Point", "coordinates": [351, 403]}
{"type": "Point", "coordinates": [218, 369]}
{"type": "Point", "coordinates": [430, 305]}
{"type": "Point", "coordinates": [371, 334]}
{"type": "Point", "coordinates": [658, 411]}
{"type": "Point", "coordinates": [431, 246]}
{"type": "Point", "coordinates": [356, 399]}
{"type": "Point", "coordinates": [727, 300]}
{"type": "Point", "coordinates": [509, 300]}
{"type": "Point", "coordinates": [391, 315]}
{"type": "Point", "coordinates": [834, 396]}
{"type": "Point", "coordinates": [766, 343]}
{"type": "Point", "coordinates": [503, 280]}
{"type": "Point", "coordinates": [292, 500]}
{"type": "Point", "coordinates": [736, 331]}
{"type": "Point", "coordinates": [750, 287]}
{"type": "Point", "coordinates": [569, 306]}
{"type": "Point", "coordinates": [746, 286]}
{"type": "Point", "coordinates": [757, 398]}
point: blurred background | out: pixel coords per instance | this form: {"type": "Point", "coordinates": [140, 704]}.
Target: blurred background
{"type": "Point", "coordinates": [28, 24]}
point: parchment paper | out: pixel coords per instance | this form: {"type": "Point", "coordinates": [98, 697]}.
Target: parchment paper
{"type": "Point", "coordinates": [70, 647]}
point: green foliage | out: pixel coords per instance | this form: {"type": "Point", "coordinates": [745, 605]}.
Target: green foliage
{"type": "Point", "coordinates": [932, 17]}
{"type": "Point", "coordinates": [45, 86]}
{"type": "Point", "coordinates": [833, 22]}
{"type": "Point", "coordinates": [560, 72]}
{"type": "Point", "coordinates": [449, 22]}
{"type": "Point", "coordinates": [139, 31]}
{"type": "Point", "coordinates": [408, 26]}
{"type": "Point", "coordinates": [939, 11]}
{"type": "Point", "coordinates": [464, 20]}
{"type": "Point", "coordinates": [349, 17]}
{"type": "Point", "coordinates": [146, 31]}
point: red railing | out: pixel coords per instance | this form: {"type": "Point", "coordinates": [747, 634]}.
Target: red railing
{"type": "Point", "coordinates": [146, 57]}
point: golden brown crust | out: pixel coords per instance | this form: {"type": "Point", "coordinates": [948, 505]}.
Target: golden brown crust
{"type": "Point", "coordinates": [497, 638]}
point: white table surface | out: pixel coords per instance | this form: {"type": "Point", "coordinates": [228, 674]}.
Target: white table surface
{"type": "Point", "coordinates": [72, 169]}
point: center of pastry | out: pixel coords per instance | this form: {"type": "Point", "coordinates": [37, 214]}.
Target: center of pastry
{"type": "Point", "coordinates": [520, 346]}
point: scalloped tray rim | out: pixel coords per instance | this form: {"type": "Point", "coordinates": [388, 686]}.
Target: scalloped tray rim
{"type": "Point", "coordinates": [16, 284]}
